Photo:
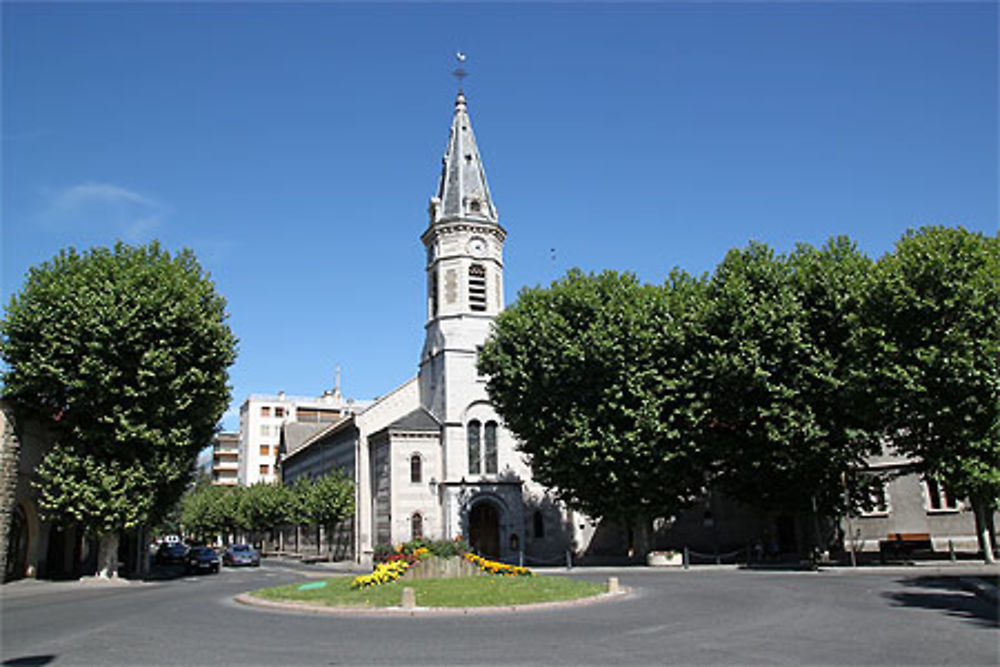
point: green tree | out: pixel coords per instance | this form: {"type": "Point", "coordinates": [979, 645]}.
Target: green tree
{"type": "Point", "coordinates": [123, 353]}
{"type": "Point", "coordinates": [265, 506]}
{"type": "Point", "coordinates": [328, 500]}
{"type": "Point", "coordinates": [932, 334]}
{"type": "Point", "coordinates": [592, 376]}
{"type": "Point", "coordinates": [783, 426]}
{"type": "Point", "coordinates": [210, 511]}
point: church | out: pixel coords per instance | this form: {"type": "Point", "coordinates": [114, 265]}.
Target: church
{"type": "Point", "coordinates": [432, 458]}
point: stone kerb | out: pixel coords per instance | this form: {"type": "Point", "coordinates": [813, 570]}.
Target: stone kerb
{"type": "Point", "coordinates": [436, 567]}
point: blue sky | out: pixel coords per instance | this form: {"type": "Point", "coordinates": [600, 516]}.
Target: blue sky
{"type": "Point", "coordinates": [294, 147]}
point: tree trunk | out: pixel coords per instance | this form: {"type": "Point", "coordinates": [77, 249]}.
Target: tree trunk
{"type": "Point", "coordinates": [979, 510]}
{"type": "Point", "coordinates": [991, 528]}
{"type": "Point", "coordinates": [107, 556]}
{"type": "Point", "coordinates": [10, 455]}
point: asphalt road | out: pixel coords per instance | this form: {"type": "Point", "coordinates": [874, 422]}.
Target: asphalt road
{"type": "Point", "coordinates": [711, 617]}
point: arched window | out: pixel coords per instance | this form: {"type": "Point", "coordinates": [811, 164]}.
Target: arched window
{"type": "Point", "coordinates": [477, 287]}
{"type": "Point", "coordinates": [491, 447]}
{"type": "Point", "coordinates": [416, 526]}
{"type": "Point", "coordinates": [539, 525]}
{"type": "Point", "coordinates": [475, 467]}
{"type": "Point", "coordinates": [416, 469]}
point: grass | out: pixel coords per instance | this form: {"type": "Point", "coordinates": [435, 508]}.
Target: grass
{"type": "Point", "coordinates": [482, 591]}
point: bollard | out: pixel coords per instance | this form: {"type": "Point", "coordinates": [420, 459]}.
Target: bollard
{"type": "Point", "coordinates": [951, 551]}
{"type": "Point", "coordinates": [613, 585]}
{"type": "Point", "coordinates": [569, 559]}
{"type": "Point", "coordinates": [687, 558]}
{"type": "Point", "coordinates": [409, 600]}
{"type": "Point", "coordinates": [520, 558]}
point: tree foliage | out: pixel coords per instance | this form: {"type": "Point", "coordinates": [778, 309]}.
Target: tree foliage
{"type": "Point", "coordinates": [591, 375]}
{"type": "Point", "coordinates": [209, 510]}
{"type": "Point", "coordinates": [932, 334]}
{"type": "Point", "coordinates": [782, 409]}
{"type": "Point", "coordinates": [123, 353]}
{"type": "Point", "coordinates": [329, 499]}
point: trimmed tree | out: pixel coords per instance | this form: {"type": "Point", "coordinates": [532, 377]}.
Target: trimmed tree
{"type": "Point", "coordinates": [783, 428]}
{"type": "Point", "coordinates": [265, 506]}
{"type": "Point", "coordinates": [932, 337]}
{"type": "Point", "coordinates": [328, 500]}
{"type": "Point", "coordinates": [592, 376]}
{"type": "Point", "coordinates": [123, 353]}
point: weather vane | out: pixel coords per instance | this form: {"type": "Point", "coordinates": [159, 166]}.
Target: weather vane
{"type": "Point", "coordinates": [460, 73]}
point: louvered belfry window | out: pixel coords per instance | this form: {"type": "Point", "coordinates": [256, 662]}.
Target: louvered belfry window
{"type": "Point", "coordinates": [477, 287]}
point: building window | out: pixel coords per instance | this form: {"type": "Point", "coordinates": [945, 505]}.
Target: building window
{"type": "Point", "coordinates": [877, 502]}
{"type": "Point", "coordinates": [475, 467]}
{"type": "Point", "coordinates": [938, 496]}
{"type": "Point", "coordinates": [265, 429]}
{"type": "Point", "coordinates": [538, 525]}
{"type": "Point", "coordinates": [416, 469]}
{"type": "Point", "coordinates": [416, 526]}
{"type": "Point", "coordinates": [265, 411]}
{"type": "Point", "coordinates": [477, 287]}
{"type": "Point", "coordinates": [265, 450]}
{"type": "Point", "coordinates": [490, 437]}
{"type": "Point", "coordinates": [265, 469]}
{"type": "Point", "coordinates": [279, 412]}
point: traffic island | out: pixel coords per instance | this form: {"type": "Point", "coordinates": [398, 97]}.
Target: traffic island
{"type": "Point", "coordinates": [465, 595]}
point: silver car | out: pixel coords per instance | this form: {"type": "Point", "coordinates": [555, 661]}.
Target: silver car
{"type": "Point", "coordinates": [241, 554]}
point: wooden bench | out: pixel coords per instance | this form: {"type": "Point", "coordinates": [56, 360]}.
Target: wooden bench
{"type": "Point", "coordinates": [904, 545]}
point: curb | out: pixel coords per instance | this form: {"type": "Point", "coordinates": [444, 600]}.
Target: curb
{"type": "Point", "coordinates": [305, 608]}
{"type": "Point", "coordinates": [981, 589]}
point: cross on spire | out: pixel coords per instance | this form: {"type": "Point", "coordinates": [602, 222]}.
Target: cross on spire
{"type": "Point", "coordinates": [460, 73]}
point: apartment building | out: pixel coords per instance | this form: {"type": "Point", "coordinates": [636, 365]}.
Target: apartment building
{"type": "Point", "coordinates": [262, 417]}
{"type": "Point", "coordinates": [226, 459]}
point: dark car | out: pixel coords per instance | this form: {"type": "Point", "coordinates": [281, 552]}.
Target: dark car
{"type": "Point", "coordinates": [201, 559]}
{"type": "Point", "coordinates": [170, 552]}
{"type": "Point", "coordinates": [241, 554]}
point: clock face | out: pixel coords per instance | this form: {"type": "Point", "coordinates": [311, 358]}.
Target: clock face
{"type": "Point", "coordinates": [477, 246]}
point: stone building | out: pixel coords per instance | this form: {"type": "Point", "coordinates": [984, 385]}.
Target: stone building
{"type": "Point", "coordinates": [38, 548]}
{"type": "Point", "coordinates": [432, 458]}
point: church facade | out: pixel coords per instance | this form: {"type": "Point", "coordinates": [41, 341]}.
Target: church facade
{"type": "Point", "coordinates": [432, 458]}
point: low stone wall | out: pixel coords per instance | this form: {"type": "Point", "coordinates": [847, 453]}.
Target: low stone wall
{"type": "Point", "coordinates": [442, 568]}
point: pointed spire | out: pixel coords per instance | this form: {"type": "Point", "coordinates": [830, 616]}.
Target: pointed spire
{"type": "Point", "coordinates": [462, 191]}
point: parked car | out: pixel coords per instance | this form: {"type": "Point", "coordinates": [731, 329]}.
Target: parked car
{"type": "Point", "coordinates": [200, 559]}
{"type": "Point", "coordinates": [170, 552]}
{"type": "Point", "coordinates": [241, 554]}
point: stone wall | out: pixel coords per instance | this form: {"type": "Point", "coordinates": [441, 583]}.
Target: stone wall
{"type": "Point", "coordinates": [9, 454]}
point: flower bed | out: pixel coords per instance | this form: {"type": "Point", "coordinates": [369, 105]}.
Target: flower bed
{"type": "Point", "coordinates": [494, 567]}
{"type": "Point", "coordinates": [393, 563]}
{"type": "Point", "coordinates": [383, 574]}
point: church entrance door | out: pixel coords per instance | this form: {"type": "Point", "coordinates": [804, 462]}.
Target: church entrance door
{"type": "Point", "coordinates": [484, 530]}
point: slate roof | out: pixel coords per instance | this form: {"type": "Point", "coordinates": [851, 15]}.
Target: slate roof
{"type": "Point", "coordinates": [462, 190]}
{"type": "Point", "coordinates": [418, 420]}
{"type": "Point", "coordinates": [297, 434]}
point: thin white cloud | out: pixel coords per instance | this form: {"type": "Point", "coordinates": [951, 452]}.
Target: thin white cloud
{"type": "Point", "coordinates": [74, 197]}
{"type": "Point", "coordinates": [103, 208]}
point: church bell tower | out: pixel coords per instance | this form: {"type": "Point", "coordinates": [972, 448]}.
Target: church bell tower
{"type": "Point", "coordinates": [464, 243]}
